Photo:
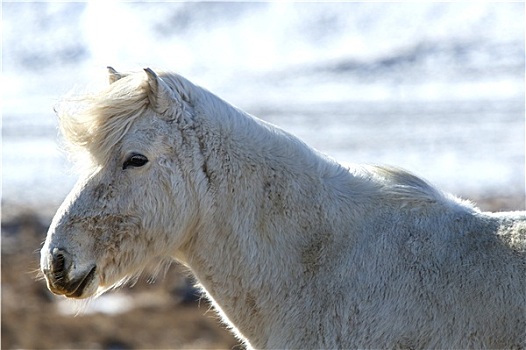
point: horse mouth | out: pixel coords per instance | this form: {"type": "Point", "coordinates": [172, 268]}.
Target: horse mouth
{"type": "Point", "coordinates": [78, 287]}
{"type": "Point", "coordinates": [75, 288]}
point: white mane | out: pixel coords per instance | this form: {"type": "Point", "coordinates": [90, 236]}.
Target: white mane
{"type": "Point", "coordinates": [94, 123]}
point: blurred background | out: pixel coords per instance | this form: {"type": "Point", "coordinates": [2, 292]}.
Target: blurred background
{"type": "Point", "coordinates": [436, 88]}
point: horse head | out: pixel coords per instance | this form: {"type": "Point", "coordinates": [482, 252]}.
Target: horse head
{"type": "Point", "coordinates": [136, 203]}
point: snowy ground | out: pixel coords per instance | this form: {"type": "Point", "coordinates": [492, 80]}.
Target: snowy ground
{"type": "Point", "coordinates": [437, 88]}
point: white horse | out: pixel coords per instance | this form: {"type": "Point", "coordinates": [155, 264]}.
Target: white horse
{"type": "Point", "coordinates": [293, 250]}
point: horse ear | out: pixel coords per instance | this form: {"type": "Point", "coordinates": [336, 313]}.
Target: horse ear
{"type": "Point", "coordinates": [160, 94]}
{"type": "Point", "coordinates": [113, 75]}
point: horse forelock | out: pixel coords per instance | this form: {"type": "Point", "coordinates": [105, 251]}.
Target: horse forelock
{"type": "Point", "coordinates": [95, 122]}
{"type": "Point", "coordinates": [92, 124]}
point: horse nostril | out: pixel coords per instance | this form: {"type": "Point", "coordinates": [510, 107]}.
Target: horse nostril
{"type": "Point", "coordinates": [58, 263]}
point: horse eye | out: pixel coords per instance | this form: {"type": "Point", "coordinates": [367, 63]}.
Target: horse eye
{"type": "Point", "coordinates": [135, 161]}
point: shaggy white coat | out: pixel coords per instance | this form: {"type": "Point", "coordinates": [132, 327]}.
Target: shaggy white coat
{"type": "Point", "coordinates": [294, 250]}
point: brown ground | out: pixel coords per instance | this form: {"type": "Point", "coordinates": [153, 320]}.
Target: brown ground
{"type": "Point", "coordinates": [163, 318]}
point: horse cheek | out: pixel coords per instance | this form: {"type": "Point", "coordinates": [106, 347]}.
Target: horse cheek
{"type": "Point", "coordinates": [166, 209]}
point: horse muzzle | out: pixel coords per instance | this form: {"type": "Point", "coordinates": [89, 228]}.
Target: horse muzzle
{"type": "Point", "coordinates": [64, 279]}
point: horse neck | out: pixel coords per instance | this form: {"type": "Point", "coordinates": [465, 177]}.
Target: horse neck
{"type": "Point", "coordinates": [257, 175]}
{"type": "Point", "coordinates": [264, 207]}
